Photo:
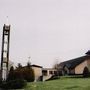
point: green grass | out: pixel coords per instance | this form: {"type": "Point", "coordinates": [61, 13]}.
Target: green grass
{"type": "Point", "coordinates": [61, 84]}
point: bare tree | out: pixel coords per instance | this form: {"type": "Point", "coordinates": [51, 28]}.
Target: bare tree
{"type": "Point", "coordinates": [56, 66]}
{"type": "Point", "coordinates": [56, 63]}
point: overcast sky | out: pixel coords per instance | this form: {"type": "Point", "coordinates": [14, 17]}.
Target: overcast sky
{"type": "Point", "coordinates": [46, 30]}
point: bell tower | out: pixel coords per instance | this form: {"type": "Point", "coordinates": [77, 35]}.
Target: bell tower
{"type": "Point", "coordinates": [5, 51]}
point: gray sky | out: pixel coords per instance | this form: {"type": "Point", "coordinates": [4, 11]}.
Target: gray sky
{"type": "Point", "coordinates": [46, 30]}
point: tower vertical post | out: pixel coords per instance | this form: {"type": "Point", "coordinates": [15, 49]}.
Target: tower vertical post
{"type": "Point", "coordinates": [5, 52]}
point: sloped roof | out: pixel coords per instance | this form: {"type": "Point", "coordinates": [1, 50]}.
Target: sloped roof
{"type": "Point", "coordinates": [88, 52]}
{"type": "Point", "coordinates": [36, 66]}
{"type": "Point", "coordinates": [74, 62]}
{"type": "Point", "coordinates": [33, 66]}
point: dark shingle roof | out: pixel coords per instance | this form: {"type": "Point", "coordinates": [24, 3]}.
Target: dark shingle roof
{"type": "Point", "coordinates": [74, 62]}
{"type": "Point", "coordinates": [88, 52]}
{"type": "Point", "coordinates": [36, 66]}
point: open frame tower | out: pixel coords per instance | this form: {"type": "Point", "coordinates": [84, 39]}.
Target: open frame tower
{"type": "Point", "coordinates": [5, 52]}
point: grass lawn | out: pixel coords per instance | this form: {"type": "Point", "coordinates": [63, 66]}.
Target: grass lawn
{"type": "Point", "coordinates": [61, 84]}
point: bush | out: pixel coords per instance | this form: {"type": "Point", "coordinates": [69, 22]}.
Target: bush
{"type": "Point", "coordinates": [13, 84]}
{"type": "Point", "coordinates": [0, 82]}
{"type": "Point", "coordinates": [25, 73]}
{"type": "Point", "coordinates": [28, 74]}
